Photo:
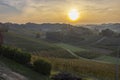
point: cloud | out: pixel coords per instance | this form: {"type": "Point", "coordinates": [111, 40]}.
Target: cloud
{"type": "Point", "coordinates": [12, 6]}
{"type": "Point", "coordinates": [7, 9]}
{"type": "Point", "coordinates": [46, 5]}
{"type": "Point", "coordinates": [49, 1]}
{"type": "Point", "coordinates": [53, 10]}
{"type": "Point", "coordinates": [19, 4]}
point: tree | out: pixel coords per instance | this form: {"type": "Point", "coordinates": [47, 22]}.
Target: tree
{"type": "Point", "coordinates": [107, 32]}
{"type": "Point", "coordinates": [54, 36]}
{"type": "Point", "coordinates": [37, 35]}
{"type": "Point", "coordinates": [1, 38]}
{"type": "Point", "coordinates": [4, 27]}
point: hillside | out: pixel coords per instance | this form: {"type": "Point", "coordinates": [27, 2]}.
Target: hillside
{"type": "Point", "coordinates": [30, 29]}
{"type": "Point", "coordinates": [111, 43]}
{"type": "Point", "coordinates": [77, 45]}
{"type": "Point", "coordinates": [35, 46]}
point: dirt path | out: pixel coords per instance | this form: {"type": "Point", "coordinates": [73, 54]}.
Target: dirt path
{"type": "Point", "coordinates": [72, 53]}
{"type": "Point", "coordinates": [7, 74]}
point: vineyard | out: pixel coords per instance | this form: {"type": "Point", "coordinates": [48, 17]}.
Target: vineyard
{"type": "Point", "coordinates": [62, 60]}
{"type": "Point", "coordinates": [35, 47]}
{"type": "Point", "coordinates": [103, 71]}
{"type": "Point", "coordinates": [61, 53]}
{"type": "Point", "coordinates": [26, 43]}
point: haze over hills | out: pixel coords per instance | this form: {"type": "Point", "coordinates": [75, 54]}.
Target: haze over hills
{"type": "Point", "coordinates": [65, 44]}
{"type": "Point", "coordinates": [32, 28]}
{"type": "Point", "coordinates": [82, 34]}
{"type": "Point", "coordinates": [113, 26]}
{"type": "Point", "coordinates": [58, 26]}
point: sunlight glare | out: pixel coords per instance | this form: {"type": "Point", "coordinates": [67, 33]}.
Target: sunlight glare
{"type": "Point", "coordinates": [73, 14]}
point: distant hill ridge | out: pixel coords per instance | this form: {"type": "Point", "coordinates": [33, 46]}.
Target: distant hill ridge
{"type": "Point", "coordinates": [112, 26]}
{"type": "Point", "coordinates": [53, 27]}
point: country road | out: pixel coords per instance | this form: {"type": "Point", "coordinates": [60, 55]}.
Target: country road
{"type": "Point", "coordinates": [72, 53]}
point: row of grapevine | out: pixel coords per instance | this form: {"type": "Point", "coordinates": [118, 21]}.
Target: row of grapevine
{"type": "Point", "coordinates": [103, 71]}
{"type": "Point", "coordinates": [53, 53]}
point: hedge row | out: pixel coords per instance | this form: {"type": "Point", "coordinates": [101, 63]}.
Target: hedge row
{"type": "Point", "coordinates": [15, 54]}
{"type": "Point", "coordinates": [40, 66]}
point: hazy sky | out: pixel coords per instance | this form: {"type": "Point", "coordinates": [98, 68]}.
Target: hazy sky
{"type": "Point", "coordinates": [40, 11]}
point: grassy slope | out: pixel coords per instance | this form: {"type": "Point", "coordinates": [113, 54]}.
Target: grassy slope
{"type": "Point", "coordinates": [35, 46]}
{"type": "Point", "coordinates": [75, 49]}
{"type": "Point", "coordinates": [30, 74]}
{"type": "Point", "coordinates": [109, 43]}
{"type": "Point", "coordinates": [88, 66]}
{"type": "Point", "coordinates": [108, 59]}
{"type": "Point", "coordinates": [29, 44]}
{"type": "Point", "coordinates": [70, 47]}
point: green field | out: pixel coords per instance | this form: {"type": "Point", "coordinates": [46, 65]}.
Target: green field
{"type": "Point", "coordinates": [70, 47]}
{"type": "Point", "coordinates": [108, 59]}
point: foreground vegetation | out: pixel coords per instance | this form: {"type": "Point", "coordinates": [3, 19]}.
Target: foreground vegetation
{"type": "Point", "coordinates": [18, 57]}
{"type": "Point", "coordinates": [21, 69]}
{"type": "Point", "coordinates": [102, 71]}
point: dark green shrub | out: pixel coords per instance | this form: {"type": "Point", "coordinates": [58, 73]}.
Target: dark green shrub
{"type": "Point", "coordinates": [22, 57]}
{"type": "Point", "coordinates": [42, 66]}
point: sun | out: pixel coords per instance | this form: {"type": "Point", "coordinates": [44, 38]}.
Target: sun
{"type": "Point", "coordinates": [73, 14]}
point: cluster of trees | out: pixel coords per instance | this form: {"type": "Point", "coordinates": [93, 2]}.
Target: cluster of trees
{"type": "Point", "coordinates": [109, 33]}
{"type": "Point", "coordinates": [70, 34]}
{"type": "Point", "coordinates": [37, 35]}
{"type": "Point", "coordinates": [4, 27]}
{"type": "Point", "coordinates": [54, 36]}
{"type": "Point", "coordinates": [63, 37]}
{"type": "Point", "coordinates": [41, 66]}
